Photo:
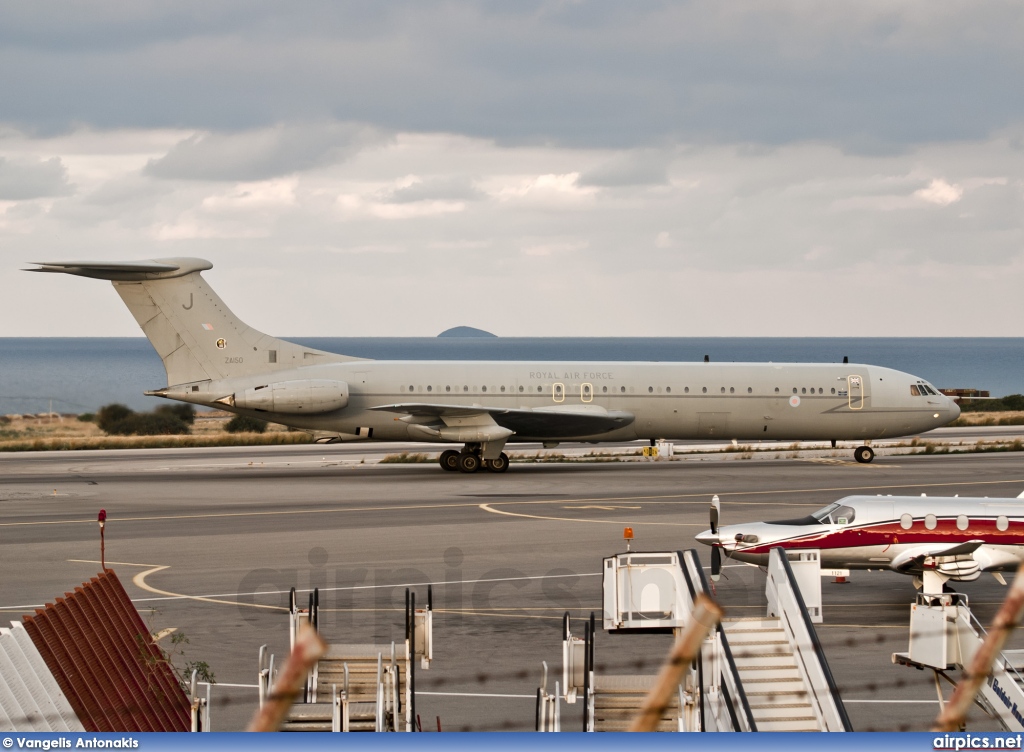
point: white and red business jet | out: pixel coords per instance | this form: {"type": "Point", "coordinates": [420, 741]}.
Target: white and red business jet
{"type": "Point", "coordinates": [932, 538]}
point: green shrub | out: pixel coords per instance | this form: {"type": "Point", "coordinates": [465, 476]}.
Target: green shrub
{"type": "Point", "coordinates": [118, 420]}
{"type": "Point", "coordinates": [148, 424]}
{"type": "Point", "coordinates": [184, 413]}
{"type": "Point", "coordinates": [1003, 404]}
{"type": "Point", "coordinates": [245, 424]}
{"type": "Point", "coordinates": [110, 415]}
{"type": "Point", "coordinates": [87, 417]}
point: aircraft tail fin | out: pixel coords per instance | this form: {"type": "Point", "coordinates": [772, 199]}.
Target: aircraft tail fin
{"type": "Point", "coordinates": [194, 333]}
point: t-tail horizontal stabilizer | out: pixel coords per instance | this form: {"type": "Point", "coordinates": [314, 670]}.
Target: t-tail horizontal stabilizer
{"type": "Point", "coordinates": [195, 334]}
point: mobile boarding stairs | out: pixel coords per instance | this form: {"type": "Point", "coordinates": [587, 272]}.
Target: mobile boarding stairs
{"type": "Point", "coordinates": [945, 635]}
{"type": "Point", "coordinates": [753, 674]}
{"type": "Point", "coordinates": [357, 687]}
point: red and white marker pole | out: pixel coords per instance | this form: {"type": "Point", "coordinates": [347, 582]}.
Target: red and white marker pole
{"type": "Point", "coordinates": [102, 519]}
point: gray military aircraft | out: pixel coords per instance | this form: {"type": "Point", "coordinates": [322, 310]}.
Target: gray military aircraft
{"type": "Point", "coordinates": [214, 359]}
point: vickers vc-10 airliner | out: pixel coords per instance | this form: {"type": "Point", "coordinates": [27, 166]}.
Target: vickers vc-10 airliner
{"type": "Point", "coordinates": [214, 359]}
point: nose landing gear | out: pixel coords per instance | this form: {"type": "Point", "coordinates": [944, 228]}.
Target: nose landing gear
{"type": "Point", "coordinates": [864, 454]}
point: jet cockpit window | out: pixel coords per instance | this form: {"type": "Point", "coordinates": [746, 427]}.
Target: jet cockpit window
{"type": "Point", "coordinates": [915, 391]}
{"type": "Point", "coordinates": [835, 514]}
{"type": "Point", "coordinates": [825, 515]}
{"type": "Point", "coordinates": [843, 516]}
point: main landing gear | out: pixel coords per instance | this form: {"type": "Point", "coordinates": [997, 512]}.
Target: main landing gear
{"type": "Point", "coordinates": [864, 454]}
{"type": "Point", "coordinates": [469, 461]}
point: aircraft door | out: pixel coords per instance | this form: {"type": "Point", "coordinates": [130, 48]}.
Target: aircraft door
{"type": "Point", "coordinates": [856, 391]}
{"type": "Point", "coordinates": [558, 392]}
{"type": "Point", "coordinates": [586, 392]}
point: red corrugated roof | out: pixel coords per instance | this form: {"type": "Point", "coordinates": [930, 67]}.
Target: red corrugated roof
{"type": "Point", "coordinates": [105, 661]}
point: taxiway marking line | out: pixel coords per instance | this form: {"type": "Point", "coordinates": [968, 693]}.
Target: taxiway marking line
{"type": "Point", "coordinates": [119, 563]}
{"type": "Point", "coordinates": [488, 508]}
{"type": "Point", "coordinates": [866, 626]}
{"type": "Point", "coordinates": [475, 694]}
{"type": "Point", "coordinates": [652, 499]}
{"type": "Point", "coordinates": [139, 581]}
{"type": "Point", "coordinates": [607, 509]}
{"type": "Point", "coordinates": [887, 702]}
{"type": "Point", "coordinates": [376, 587]}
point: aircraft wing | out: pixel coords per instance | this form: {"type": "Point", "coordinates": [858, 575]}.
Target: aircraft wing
{"type": "Point", "coordinates": [542, 424]}
{"type": "Point", "coordinates": [913, 558]}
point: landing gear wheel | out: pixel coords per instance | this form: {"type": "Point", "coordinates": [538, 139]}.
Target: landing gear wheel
{"type": "Point", "coordinates": [449, 460]}
{"type": "Point", "coordinates": [864, 454]}
{"type": "Point", "coordinates": [469, 462]}
{"type": "Point", "coordinates": [498, 465]}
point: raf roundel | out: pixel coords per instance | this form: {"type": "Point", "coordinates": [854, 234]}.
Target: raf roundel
{"type": "Point", "coordinates": [794, 401]}
{"type": "Point", "coordinates": [221, 343]}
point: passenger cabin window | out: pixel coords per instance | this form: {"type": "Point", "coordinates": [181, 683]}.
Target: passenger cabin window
{"type": "Point", "coordinates": [906, 521]}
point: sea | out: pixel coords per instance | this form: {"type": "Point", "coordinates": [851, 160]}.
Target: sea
{"type": "Point", "coordinates": [76, 375]}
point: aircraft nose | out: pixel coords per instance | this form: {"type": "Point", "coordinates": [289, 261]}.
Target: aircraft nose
{"type": "Point", "coordinates": [707, 538]}
{"type": "Point", "coordinates": [954, 410]}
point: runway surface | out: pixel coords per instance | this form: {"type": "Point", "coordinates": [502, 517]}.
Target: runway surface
{"type": "Point", "coordinates": [210, 540]}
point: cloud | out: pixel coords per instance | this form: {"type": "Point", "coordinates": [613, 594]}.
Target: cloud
{"type": "Point", "coordinates": [874, 77]}
{"type": "Point", "coordinates": [434, 189]}
{"type": "Point", "coordinates": [940, 192]}
{"type": "Point", "coordinates": [512, 229]}
{"type": "Point", "coordinates": [642, 167]}
{"type": "Point", "coordinates": [264, 153]}
{"type": "Point", "coordinates": [550, 249]}
{"type": "Point", "coordinates": [28, 178]}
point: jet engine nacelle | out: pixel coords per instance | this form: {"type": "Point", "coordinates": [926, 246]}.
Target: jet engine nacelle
{"type": "Point", "coordinates": [299, 396]}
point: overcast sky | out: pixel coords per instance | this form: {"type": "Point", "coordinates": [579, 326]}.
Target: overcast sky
{"type": "Point", "coordinates": [530, 168]}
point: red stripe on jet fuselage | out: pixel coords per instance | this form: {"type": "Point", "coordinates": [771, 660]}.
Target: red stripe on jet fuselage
{"type": "Point", "coordinates": [881, 534]}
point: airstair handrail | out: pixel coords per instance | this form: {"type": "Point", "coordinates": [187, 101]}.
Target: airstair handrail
{"type": "Point", "coordinates": [811, 636]}
{"type": "Point", "coordinates": [698, 584]}
{"type": "Point", "coordinates": [1007, 663]}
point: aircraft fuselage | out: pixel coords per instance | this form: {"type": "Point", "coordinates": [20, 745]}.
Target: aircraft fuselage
{"type": "Point", "coordinates": [743, 401]}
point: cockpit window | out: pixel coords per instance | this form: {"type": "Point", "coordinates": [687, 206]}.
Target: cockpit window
{"type": "Point", "coordinates": [915, 390]}
{"type": "Point", "coordinates": [835, 514]}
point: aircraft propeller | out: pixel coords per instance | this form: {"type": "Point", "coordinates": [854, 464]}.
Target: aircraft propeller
{"type": "Point", "coordinates": [716, 547]}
